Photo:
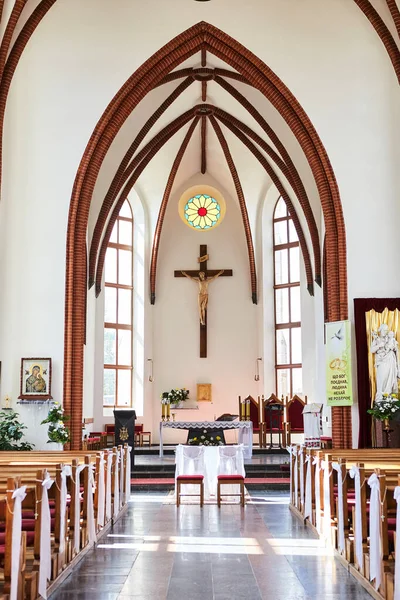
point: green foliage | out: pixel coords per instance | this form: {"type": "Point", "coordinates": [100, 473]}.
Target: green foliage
{"type": "Point", "coordinates": [12, 431]}
{"type": "Point", "coordinates": [57, 431]}
{"type": "Point", "coordinates": [386, 407]}
{"type": "Point", "coordinates": [175, 396]}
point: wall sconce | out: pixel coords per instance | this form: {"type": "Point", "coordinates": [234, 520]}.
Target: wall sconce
{"type": "Point", "coordinates": [257, 375]}
{"type": "Point", "coordinates": [150, 360]}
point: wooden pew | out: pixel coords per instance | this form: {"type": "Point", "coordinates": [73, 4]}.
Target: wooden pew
{"type": "Point", "coordinates": [25, 465]}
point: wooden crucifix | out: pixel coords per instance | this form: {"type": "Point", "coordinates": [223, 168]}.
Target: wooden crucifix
{"type": "Point", "coordinates": [203, 277]}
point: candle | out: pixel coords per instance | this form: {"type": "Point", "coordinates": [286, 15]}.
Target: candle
{"type": "Point", "coordinates": [168, 411]}
{"type": "Point", "coordinates": [241, 409]}
{"type": "Point", "coordinates": [163, 411]}
{"type": "Point", "coordinates": [248, 410]}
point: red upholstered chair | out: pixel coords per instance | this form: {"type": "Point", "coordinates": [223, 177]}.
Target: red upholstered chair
{"type": "Point", "coordinates": [272, 421]}
{"type": "Point", "coordinates": [294, 417]}
{"type": "Point", "coordinates": [138, 431]}
{"type": "Point", "coordinates": [254, 415]}
{"type": "Point", "coordinates": [103, 438]}
{"type": "Point", "coordinates": [186, 480]}
{"type": "Point", "coordinates": [109, 428]}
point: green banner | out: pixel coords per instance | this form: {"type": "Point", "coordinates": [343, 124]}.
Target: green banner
{"type": "Point", "coordinates": [338, 363]}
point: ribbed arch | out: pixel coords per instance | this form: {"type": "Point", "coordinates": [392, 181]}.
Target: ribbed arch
{"type": "Point", "coordinates": [199, 37]}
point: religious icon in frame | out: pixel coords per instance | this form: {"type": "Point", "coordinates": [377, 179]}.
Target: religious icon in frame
{"type": "Point", "coordinates": [204, 392]}
{"type": "Point", "coordinates": [35, 379]}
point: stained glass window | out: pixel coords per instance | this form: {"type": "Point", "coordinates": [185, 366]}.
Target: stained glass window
{"type": "Point", "coordinates": [202, 211]}
{"type": "Point", "coordinates": [288, 353]}
{"type": "Point", "coordinates": [202, 207]}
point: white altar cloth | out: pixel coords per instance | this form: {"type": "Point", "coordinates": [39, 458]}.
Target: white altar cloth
{"type": "Point", "coordinates": [210, 461]}
{"type": "Point", "coordinates": [245, 431]}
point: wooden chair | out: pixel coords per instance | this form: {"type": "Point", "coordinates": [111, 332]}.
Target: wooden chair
{"type": "Point", "coordinates": [249, 410]}
{"type": "Point", "coordinates": [230, 480]}
{"type": "Point", "coordinates": [186, 480]}
{"type": "Point", "coordinates": [143, 435]}
{"type": "Point", "coordinates": [272, 419]}
{"type": "Point", "coordinates": [294, 422]}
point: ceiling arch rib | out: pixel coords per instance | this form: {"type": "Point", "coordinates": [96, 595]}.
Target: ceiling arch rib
{"type": "Point", "coordinates": [281, 189]}
{"type": "Point", "coordinates": [140, 162]}
{"type": "Point", "coordinates": [386, 37]}
{"type": "Point", "coordinates": [164, 204]}
{"type": "Point", "coordinates": [205, 110]}
{"type": "Point", "coordinates": [203, 167]}
{"type": "Point", "coordinates": [139, 84]}
{"type": "Point", "coordinates": [120, 176]}
{"type": "Point", "coordinates": [395, 12]}
{"type": "Point", "coordinates": [242, 204]}
{"type": "Point", "coordinates": [9, 67]}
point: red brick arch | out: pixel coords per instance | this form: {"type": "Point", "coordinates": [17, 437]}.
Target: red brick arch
{"type": "Point", "coordinates": [149, 75]}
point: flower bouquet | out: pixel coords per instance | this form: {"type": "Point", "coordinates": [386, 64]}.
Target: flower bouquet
{"type": "Point", "coordinates": [57, 431]}
{"type": "Point", "coordinates": [386, 407]}
{"type": "Point", "coordinates": [206, 438]}
{"type": "Point", "coordinates": [175, 396]}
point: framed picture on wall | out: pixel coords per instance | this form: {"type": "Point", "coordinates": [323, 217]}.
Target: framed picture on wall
{"type": "Point", "coordinates": [204, 392]}
{"type": "Point", "coordinates": [35, 379]}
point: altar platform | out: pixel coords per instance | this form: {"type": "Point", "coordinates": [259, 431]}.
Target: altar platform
{"type": "Point", "coordinates": [266, 470]}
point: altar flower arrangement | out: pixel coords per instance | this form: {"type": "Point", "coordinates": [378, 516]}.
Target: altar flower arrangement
{"type": "Point", "coordinates": [175, 396]}
{"type": "Point", "coordinates": [386, 407]}
{"type": "Point", "coordinates": [206, 438]}
{"type": "Point", "coordinates": [57, 432]}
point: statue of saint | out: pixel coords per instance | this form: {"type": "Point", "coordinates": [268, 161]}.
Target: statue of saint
{"type": "Point", "coordinates": [385, 347]}
{"type": "Point", "coordinates": [203, 282]}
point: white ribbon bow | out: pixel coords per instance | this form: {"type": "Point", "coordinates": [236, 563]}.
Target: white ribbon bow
{"type": "Point", "coordinates": [121, 478]}
{"type": "Point", "coordinates": [108, 486]}
{"type": "Point", "coordinates": [101, 492]}
{"type": "Point", "coordinates": [375, 542]}
{"type": "Point", "coordinates": [66, 471]}
{"type": "Point", "coordinates": [341, 541]}
{"type": "Point", "coordinates": [317, 494]}
{"type": "Point", "coordinates": [355, 474]}
{"type": "Point", "coordinates": [45, 539]}
{"type": "Point", "coordinates": [116, 485]}
{"type": "Point", "coordinates": [396, 495]}
{"type": "Point", "coordinates": [77, 505]}
{"type": "Point", "coordinates": [18, 496]}
{"type": "Point", "coordinates": [308, 500]}
{"type": "Point", "coordinates": [90, 507]}
{"type": "Point", "coordinates": [327, 501]}
{"type": "Point", "coordinates": [128, 475]}
{"type": "Point", "coordinates": [296, 478]}
{"type": "Point", "coordinates": [301, 452]}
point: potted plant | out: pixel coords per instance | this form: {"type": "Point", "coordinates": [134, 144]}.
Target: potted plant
{"type": "Point", "coordinates": [58, 432]}
{"type": "Point", "coordinates": [385, 408]}
{"type": "Point", "coordinates": [12, 431]}
{"type": "Point", "coordinates": [175, 396]}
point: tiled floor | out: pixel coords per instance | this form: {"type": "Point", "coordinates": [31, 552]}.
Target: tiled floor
{"type": "Point", "coordinates": [159, 552]}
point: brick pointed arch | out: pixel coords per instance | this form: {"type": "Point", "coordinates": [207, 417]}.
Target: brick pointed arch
{"type": "Point", "coordinates": [201, 36]}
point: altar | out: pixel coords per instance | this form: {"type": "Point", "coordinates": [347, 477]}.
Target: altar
{"type": "Point", "coordinates": [245, 431]}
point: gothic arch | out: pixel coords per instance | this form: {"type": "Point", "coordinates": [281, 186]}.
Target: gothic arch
{"type": "Point", "coordinates": [200, 37]}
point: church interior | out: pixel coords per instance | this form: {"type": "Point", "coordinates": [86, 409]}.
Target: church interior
{"type": "Point", "coordinates": [199, 314]}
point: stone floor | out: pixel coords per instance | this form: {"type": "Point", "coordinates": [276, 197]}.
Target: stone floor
{"type": "Point", "coordinates": [159, 552]}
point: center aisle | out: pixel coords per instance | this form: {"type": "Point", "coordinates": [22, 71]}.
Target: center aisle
{"type": "Point", "coordinates": [157, 552]}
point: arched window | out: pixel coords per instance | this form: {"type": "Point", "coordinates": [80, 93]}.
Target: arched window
{"type": "Point", "coordinates": [288, 354]}
{"type": "Point", "coordinates": [118, 289]}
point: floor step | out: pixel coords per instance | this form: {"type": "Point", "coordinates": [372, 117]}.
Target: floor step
{"type": "Point", "coordinates": [252, 483]}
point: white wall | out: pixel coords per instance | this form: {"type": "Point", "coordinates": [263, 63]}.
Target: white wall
{"type": "Point", "coordinates": [326, 53]}
{"type": "Point", "coordinates": [232, 318]}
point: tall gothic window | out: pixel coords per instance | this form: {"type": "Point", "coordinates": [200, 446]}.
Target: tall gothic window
{"type": "Point", "coordinates": [118, 291]}
{"type": "Point", "coordinates": [288, 355]}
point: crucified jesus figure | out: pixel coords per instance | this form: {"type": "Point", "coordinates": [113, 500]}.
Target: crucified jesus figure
{"type": "Point", "coordinates": [203, 282]}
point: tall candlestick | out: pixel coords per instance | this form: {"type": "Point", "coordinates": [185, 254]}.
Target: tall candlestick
{"type": "Point", "coordinates": [168, 411]}
{"type": "Point", "coordinates": [248, 410]}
